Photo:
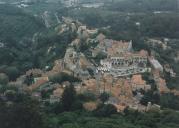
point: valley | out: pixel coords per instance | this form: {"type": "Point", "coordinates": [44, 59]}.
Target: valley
{"type": "Point", "coordinates": [87, 63]}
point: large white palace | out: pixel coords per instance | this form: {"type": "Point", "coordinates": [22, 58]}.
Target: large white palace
{"type": "Point", "coordinates": [121, 61]}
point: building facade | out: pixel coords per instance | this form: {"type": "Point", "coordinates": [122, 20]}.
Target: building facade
{"type": "Point", "coordinates": [121, 60]}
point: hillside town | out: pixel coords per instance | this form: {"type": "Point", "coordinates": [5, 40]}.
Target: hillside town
{"type": "Point", "coordinates": [119, 73]}
{"type": "Point", "coordinates": [89, 64]}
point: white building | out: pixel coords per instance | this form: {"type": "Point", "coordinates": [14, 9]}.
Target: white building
{"type": "Point", "coordinates": [156, 64]}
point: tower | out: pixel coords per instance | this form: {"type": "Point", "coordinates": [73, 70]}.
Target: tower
{"type": "Point", "coordinates": [130, 46]}
{"type": "Point", "coordinates": [78, 69]}
{"type": "Point", "coordinates": [98, 76]}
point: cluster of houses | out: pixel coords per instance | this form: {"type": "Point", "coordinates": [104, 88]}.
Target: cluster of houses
{"type": "Point", "coordinates": [119, 74]}
{"type": "Point", "coordinates": [121, 60]}
{"type": "Point", "coordinates": [120, 90]}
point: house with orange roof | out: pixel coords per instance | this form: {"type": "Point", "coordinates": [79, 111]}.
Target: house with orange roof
{"type": "Point", "coordinates": [138, 83]}
{"type": "Point", "coordinates": [90, 85]}
{"type": "Point", "coordinates": [100, 37]}
{"type": "Point", "coordinates": [38, 82]}
{"type": "Point", "coordinates": [90, 106]}
{"type": "Point", "coordinates": [162, 86]}
{"type": "Point", "coordinates": [116, 47]}
{"type": "Point", "coordinates": [120, 107]}
{"type": "Point", "coordinates": [175, 92]}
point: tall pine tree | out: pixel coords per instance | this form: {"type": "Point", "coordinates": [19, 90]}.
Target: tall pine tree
{"type": "Point", "coordinates": [68, 98]}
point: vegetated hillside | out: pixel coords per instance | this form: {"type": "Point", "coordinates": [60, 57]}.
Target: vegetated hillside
{"type": "Point", "coordinates": [39, 8]}
{"type": "Point", "coordinates": [26, 42]}
{"type": "Point", "coordinates": [45, 11]}
{"type": "Point", "coordinates": [34, 54]}
{"type": "Point", "coordinates": [143, 5]}
{"type": "Point", "coordinates": [10, 1]}
{"type": "Point", "coordinates": [123, 24]}
{"type": "Point", "coordinates": [16, 24]}
{"type": "Point", "coordinates": [70, 113]}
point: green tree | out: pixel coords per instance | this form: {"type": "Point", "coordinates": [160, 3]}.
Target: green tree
{"type": "Point", "coordinates": [150, 96]}
{"type": "Point", "coordinates": [68, 97]}
{"type": "Point", "coordinates": [169, 100]}
{"type": "Point", "coordinates": [104, 97]}
{"type": "Point", "coordinates": [61, 77]}
{"type": "Point", "coordinates": [3, 79]}
{"type": "Point", "coordinates": [13, 73]}
{"type": "Point", "coordinates": [23, 112]}
{"type": "Point", "coordinates": [29, 79]}
{"type": "Point", "coordinates": [105, 110]}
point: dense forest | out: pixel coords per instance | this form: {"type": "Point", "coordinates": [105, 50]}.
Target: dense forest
{"type": "Point", "coordinates": [124, 24]}
{"type": "Point", "coordinates": [143, 5]}
{"type": "Point", "coordinates": [18, 110]}
{"type": "Point", "coordinates": [16, 24]}
{"type": "Point", "coordinates": [26, 41]}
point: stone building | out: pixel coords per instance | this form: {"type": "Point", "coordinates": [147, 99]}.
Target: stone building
{"type": "Point", "coordinates": [121, 60]}
{"type": "Point", "coordinates": [130, 59]}
{"type": "Point", "coordinates": [138, 83]}
{"type": "Point", "coordinates": [156, 64]}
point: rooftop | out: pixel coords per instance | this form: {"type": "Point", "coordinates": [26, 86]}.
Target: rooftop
{"type": "Point", "coordinates": [137, 79]}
